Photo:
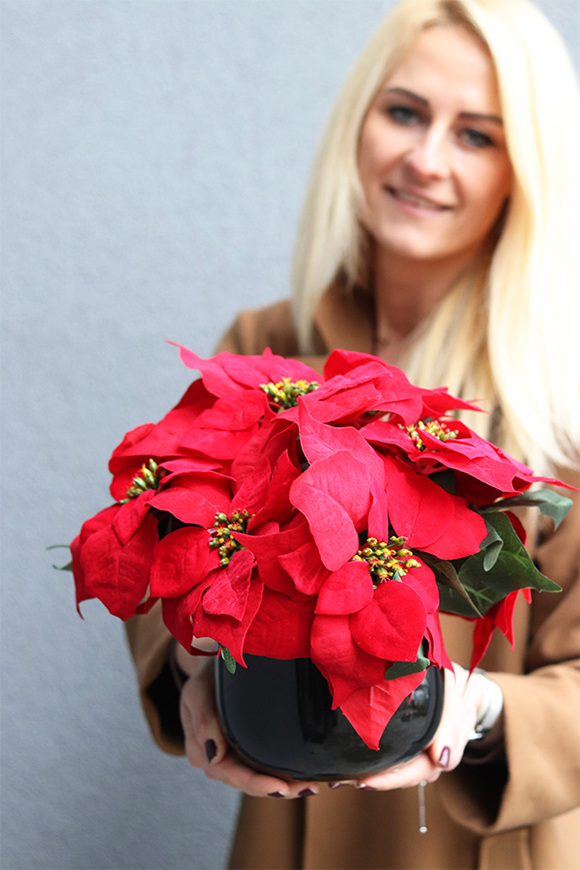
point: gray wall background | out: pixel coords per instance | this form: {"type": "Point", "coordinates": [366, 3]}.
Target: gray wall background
{"type": "Point", "coordinates": [155, 155]}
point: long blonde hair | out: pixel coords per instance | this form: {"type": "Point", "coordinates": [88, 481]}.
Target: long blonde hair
{"type": "Point", "coordinates": [511, 329]}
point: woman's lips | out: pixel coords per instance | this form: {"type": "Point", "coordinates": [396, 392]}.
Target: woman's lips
{"type": "Point", "coordinates": [417, 202]}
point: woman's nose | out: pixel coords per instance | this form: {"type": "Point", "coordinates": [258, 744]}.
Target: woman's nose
{"type": "Point", "coordinates": [428, 157]}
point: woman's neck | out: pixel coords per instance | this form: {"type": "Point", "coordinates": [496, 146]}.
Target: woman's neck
{"type": "Point", "coordinates": [406, 293]}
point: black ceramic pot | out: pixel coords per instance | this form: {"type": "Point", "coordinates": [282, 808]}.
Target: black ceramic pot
{"type": "Point", "coordinates": [277, 716]}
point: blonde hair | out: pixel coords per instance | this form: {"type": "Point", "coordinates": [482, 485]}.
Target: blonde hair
{"type": "Point", "coordinates": [511, 329]}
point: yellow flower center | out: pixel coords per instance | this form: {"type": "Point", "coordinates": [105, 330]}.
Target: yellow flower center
{"type": "Point", "coordinates": [433, 427]}
{"type": "Point", "coordinates": [150, 476]}
{"type": "Point", "coordinates": [221, 534]}
{"type": "Point", "coordinates": [285, 393]}
{"type": "Point", "coordinates": [386, 561]}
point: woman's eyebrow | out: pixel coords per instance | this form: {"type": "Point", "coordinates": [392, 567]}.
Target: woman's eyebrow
{"type": "Point", "coordinates": [410, 95]}
{"type": "Point", "coordinates": [466, 116]}
{"type": "Point", "coordinates": [481, 116]}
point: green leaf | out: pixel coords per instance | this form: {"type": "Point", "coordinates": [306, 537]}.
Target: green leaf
{"type": "Point", "coordinates": [550, 503]}
{"type": "Point", "coordinates": [68, 566]}
{"type": "Point", "coordinates": [469, 587]}
{"type": "Point", "coordinates": [459, 603]}
{"type": "Point", "coordinates": [512, 570]}
{"type": "Point", "coordinates": [229, 660]}
{"type": "Point", "coordinates": [491, 546]}
{"type": "Point", "coordinates": [403, 669]}
{"type": "Point", "coordinates": [453, 597]}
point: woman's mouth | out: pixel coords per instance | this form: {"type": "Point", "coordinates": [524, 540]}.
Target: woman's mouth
{"type": "Point", "coordinates": [417, 202]}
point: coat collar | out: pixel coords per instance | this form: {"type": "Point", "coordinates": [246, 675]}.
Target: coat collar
{"type": "Point", "coordinates": [345, 319]}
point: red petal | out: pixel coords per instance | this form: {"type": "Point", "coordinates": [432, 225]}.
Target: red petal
{"type": "Point", "coordinates": [369, 710]}
{"type": "Point", "coordinates": [422, 580]}
{"type": "Point", "coordinates": [320, 441]}
{"type": "Point", "coordinates": [115, 573]}
{"type": "Point", "coordinates": [437, 652]}
{"type": "Point", "coordinates": [482, 632]}
{"type": "Point", "coordinates": [177, 612]}
{"type": "Point", "coordinates": [182, 560]}
{"type": "Point", "coordinates": [226, 373]}
{"type": "Point", "coordinates": [101, 520]}
{"type": "Point", "coordinates": [334, 496]}
{"type": "Point", "coordinates": [343, 663]}
{"type": "Point", "coordinates": [238, 411]}
{"type": "Point", "coordinates": [393, 625]}
{"type": "Point", "coordinates": [131, 515]}
{"type": "Point", "coordinates": [217, 443]}
{"type": "Point", "coordinates": [305, 568]}
{"type": "Point", "coordinates": [195, 498]}
{"type": "Point", "coordinates": [156, 441]}
{"type": "Point", "coordinates": [346, 590]}
{"type": "Point", "coordinates": [229, 632]}
{"type": "Point", "coordinates": [432, 519]}
{"type": "Point", "coordinates": [228, 595]}
{"type": "Point", "coordinates": [269, 549]}
{"type": "Point", "coordinates": [499, 616]}
{"type": "Point", "coordinates": [281, 628]}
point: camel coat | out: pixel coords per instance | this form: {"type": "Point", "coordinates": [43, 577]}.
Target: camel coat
{"type": "Point", "coordinates": [513, 801]}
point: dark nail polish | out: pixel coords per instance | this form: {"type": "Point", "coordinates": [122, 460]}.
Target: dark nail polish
{"type": "Point", "coordinates": [444, 757]}
{"type": "Point", "coordinates": [365, 787]}
{"type": "Point", "coordinates": [210, 749]}
{"type": "Point", "coordinates": [275, 794]}
{"type": "Point", "coordinates": [306, 792]}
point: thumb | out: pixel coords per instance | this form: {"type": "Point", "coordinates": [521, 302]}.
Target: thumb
{"type": "Point", "coordinates": [205, 743]}
{"type": "Point", "coordinates": [457, 720]}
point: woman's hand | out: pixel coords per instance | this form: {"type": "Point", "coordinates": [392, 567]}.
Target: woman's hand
{"type": "Point", "coordinates": [463, 702]}
{"type": "Point", "coordinates": [206, 747]}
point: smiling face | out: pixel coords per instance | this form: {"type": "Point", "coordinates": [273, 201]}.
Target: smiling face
{"type": "Point", "coordinates": [433, 162]}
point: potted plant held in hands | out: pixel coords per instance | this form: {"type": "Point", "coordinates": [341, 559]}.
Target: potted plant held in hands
{"type": "Point", "coordinates": [314, 528]}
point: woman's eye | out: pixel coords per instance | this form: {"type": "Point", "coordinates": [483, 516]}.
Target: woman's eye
{"type": "Point", "coordinates": [475, 138]}
{"type": "Point", "coordinates": [403, 114]}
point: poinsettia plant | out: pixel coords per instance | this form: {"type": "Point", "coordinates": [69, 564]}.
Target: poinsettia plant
{"type": "Point", "coordinates": [287, 514]}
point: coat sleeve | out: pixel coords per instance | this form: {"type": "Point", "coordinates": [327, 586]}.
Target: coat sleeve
{"type": "Point", "coordinates": [537, 776]}
{"type": "Point", "coordinates": [149, 641]}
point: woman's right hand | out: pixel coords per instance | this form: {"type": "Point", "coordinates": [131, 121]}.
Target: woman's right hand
{"type": "Point", "coordinates": [206, 747]}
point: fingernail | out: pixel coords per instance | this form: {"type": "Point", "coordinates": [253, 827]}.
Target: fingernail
{"type": "Point", "coordinates": [210, 750]}
{"type": "Point", "coordinates": [306, 792]}
{"type": "Point", "coordinates": [444, 757]}
{"type": "Point", "coordinates": [275, 794]}
{"type": "Point", "coordinates": [337, 784]}
{"type": "Point", "coordinates": [364, 787]}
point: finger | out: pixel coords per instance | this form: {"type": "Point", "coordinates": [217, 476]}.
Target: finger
{"type": "Point", "coordinates": [419, 769]}
{"type": "Point", "coordinates": [206, 747]}
{"type": "Point", "coordinates": [205, 742]}
{"type": "Point", "coordinates": [462, 699]}
{"type": "Point", "coordinates": [234, 773]}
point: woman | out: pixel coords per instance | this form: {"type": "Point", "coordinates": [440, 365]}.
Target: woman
{"type": "Point", "coordinates": [436, 235]}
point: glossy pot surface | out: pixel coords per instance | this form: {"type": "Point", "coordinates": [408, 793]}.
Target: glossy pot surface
{"type": "Point", "coordinates": [277, 716]}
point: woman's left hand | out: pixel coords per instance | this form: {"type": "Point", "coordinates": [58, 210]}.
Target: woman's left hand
{"type": "Point", "coordinates": [463, 700]}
